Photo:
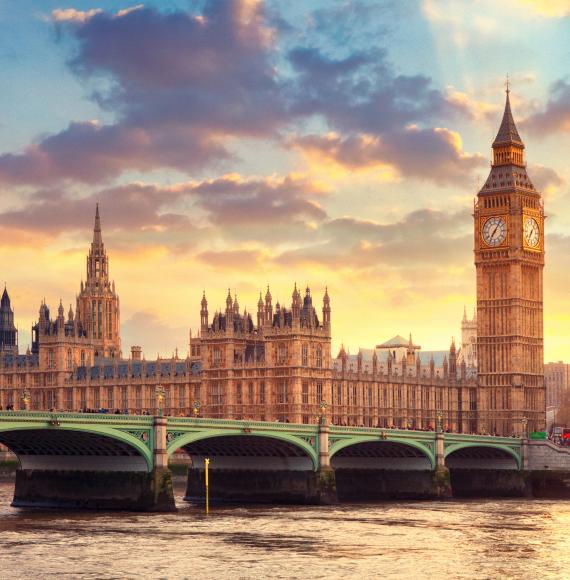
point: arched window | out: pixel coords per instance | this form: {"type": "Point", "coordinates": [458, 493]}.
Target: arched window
{"type": "Point", "coordinates": [319, 356]}
{"type": "Point", "coordinates": [69, 359]}
{"type": "Point", "coordinates": [305, 355]}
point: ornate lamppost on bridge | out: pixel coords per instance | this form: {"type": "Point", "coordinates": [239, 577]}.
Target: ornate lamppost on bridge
{"type": "Point", "coordinates": [160, 395]}
{"type": "Point", "coordinates": [524, 422]}
{"type": "Point", "coordinates": [26, 399]}
{"type": "Point", "coordinates": [196, 409]}
{"type": "Point", "coordinates": [439, 422]}
{"type": "Point", "coordinates": [323, 412]}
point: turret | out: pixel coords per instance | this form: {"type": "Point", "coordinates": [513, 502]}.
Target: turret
{"type": "Point", "coordinates": [342, 356]}
{"type": "Point", "coordinates": [268, 307]}
{"type": "Point", "coordinates": [296, 303]}
{"type": "Point", "coordinates": [326, 310]}
{"type": "Point", "coordinates": [8, 331]}
{"type": "Point", "coordinates": [260, 313]}
{"type": "Point", "coordinates": [452, 359]}
{"type": "Point", "coordinates": [204, 313]}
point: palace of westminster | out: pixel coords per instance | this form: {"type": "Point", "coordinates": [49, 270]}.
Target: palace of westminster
{"type": "Point", "coordinates": [278, 366]}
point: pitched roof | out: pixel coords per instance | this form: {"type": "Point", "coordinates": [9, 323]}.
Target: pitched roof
{"type": "Point", "coordinates": [507, 131]}
{"type": "Point", "coordinates": [394, 342]}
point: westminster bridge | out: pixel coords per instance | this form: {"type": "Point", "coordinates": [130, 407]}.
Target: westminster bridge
{"type": "Point", "coordinates": [121, 461]}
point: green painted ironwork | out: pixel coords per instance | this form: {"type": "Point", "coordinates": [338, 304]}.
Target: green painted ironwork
{"type": "Point", "coordinates": [138, 432]}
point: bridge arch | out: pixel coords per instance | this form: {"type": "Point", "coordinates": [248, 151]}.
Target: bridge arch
{"type": "Point", "coordinates": [392, 453]}
{"type": "Point", "coordinates": [473, 455]}
{"type": "Point", "coordinates": [258, 450]}
{"type": "Point", "coordinates": [76, 448]}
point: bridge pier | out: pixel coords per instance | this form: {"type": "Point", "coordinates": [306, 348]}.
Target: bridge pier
{"type": "Point", "coordinates": [441, 476]}
{"type": "Point", "coordinates": [99, 490]}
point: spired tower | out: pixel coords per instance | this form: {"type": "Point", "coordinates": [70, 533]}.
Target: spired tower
{"type": "Point", "coordinates": [98, 303]}
{"type": "Point", "coordinates": [8, 331]}
{"type": "Point", "coordinates": [509, 259]}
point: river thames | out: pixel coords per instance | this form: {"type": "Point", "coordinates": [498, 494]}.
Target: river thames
{"type": "Point", "coordinates": [454, 539]}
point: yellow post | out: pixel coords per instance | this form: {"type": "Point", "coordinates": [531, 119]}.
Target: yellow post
{"type": "Point", "coordinates": [206, 463]}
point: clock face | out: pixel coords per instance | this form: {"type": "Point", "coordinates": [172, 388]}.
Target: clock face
{"type": "Point", "coordinates": [531, 232]}
{"type": "Point", "coordinates": [495, 231]}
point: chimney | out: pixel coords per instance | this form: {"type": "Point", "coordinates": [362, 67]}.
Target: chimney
{"type": "Point", "coordinates": [136, 352]}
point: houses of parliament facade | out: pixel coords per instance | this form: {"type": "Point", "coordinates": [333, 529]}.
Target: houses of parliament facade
{"type": "Point", "coordinates": [277, 365]}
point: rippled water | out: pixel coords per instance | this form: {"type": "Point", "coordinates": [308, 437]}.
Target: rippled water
{"type": "Point", "coordinates": [474, 539]}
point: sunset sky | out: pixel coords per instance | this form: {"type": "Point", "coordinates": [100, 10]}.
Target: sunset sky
{"type": "Point", "coordinates": [240, 143]}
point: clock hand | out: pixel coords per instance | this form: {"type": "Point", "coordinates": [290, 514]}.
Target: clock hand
{"type": "Point", "coordinates": [493, 234]}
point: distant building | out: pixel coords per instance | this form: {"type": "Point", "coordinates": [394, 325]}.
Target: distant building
{"type": "Point", "coordinates": [557, 379]}
{"type": "Point", "coordinates": [468, 350]}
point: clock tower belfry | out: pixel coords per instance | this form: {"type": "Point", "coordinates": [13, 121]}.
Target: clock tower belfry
{"type": "Point", "coordinates": [509, 260]}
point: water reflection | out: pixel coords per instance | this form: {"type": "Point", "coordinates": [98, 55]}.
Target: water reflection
{"type": "Point", "coordinates": [467, 539]}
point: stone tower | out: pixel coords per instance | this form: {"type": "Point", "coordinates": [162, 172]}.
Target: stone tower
{"type": "Point", "coordinates": [468, 351]}
{"type": "Point", "coordinates": [8, 331]}
{"type": "Point", "coordinates": [98, 303]}
{"type": "Point", "coordinates": [509, 260]}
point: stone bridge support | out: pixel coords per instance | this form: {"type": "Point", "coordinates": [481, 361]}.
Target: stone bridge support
{"type": "Point", "coordinates": [326, 477]}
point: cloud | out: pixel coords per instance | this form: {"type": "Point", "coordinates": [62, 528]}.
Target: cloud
{"type": "Point", "coordinates": [361, 93]}
{"type": "Point", "coordinates": [91, 153]}
{"type": "Point", "coordinates": [546, 179]}
{"type": "Point", "coordinates": [423, 238]}
{"type": "Point", "coordinates": [132, 206]}
{"type": "Point", "coordinates": [235, 201]}
{"type": "Point", "coordinates": [230, 201]}
{"type": "Point", "coordinates": [73, 15]}
{"type": "Point", "coordinates": [435, 154]}
{"type": "Point", "coordinates": [181, 86]}
{"type": "Point", "coordinates": [555, 118]}
{"type": "Point", "coordinates": [548, 8]}
{"type": "Point", "coordinates": [231, 259]}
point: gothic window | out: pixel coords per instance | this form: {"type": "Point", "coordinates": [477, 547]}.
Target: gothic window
{"type": "Point", "coordinates": [319, 392]}
{"type": "Point", "coordinates": [305, 355]}
{"type": "Point", "coordinates": [239, 398]}
{"type": "Point", "coordinates": [109, 322]}
{"type": "Point", "coordinates": [305, 393]}
{"type": "Point", "coordinates": [250, 393]}
{"type": "Point", "coordinates": [124, 398]}
{"type": "Point", "coordinates": [217, 395]}
{"type": "Point", "coordinates": [182, 396]}
{"type": "Point", "coordinates": [110, 398]}
{"type": "Point", "coordinates": [138, 397]}
{"type": "Point", "coordinates": [262, 393]}
{"type": "Point", "coordinates": [319, 356]}
{"type": "Point", "coordinates": [69, 360]}
{"type": "Point", "coordinates": [217, 357]}
{"type": "Point", "coordinates": [282, 391]}
{"type": "Point", "coordinates": [51, 359]}
{"type": "Point", "coordinates": [82, 358]}
{"type": "Point", "coordinates": [99, 319]}
{"type": "Point", "coordinates": [282, 354]}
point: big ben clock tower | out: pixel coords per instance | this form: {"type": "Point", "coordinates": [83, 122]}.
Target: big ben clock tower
{"type": "Point", "coordinates": [509, 259]}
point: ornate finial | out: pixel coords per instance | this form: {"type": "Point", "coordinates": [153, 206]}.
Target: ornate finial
{"type": "Point", "coordinates": [507, 84]}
